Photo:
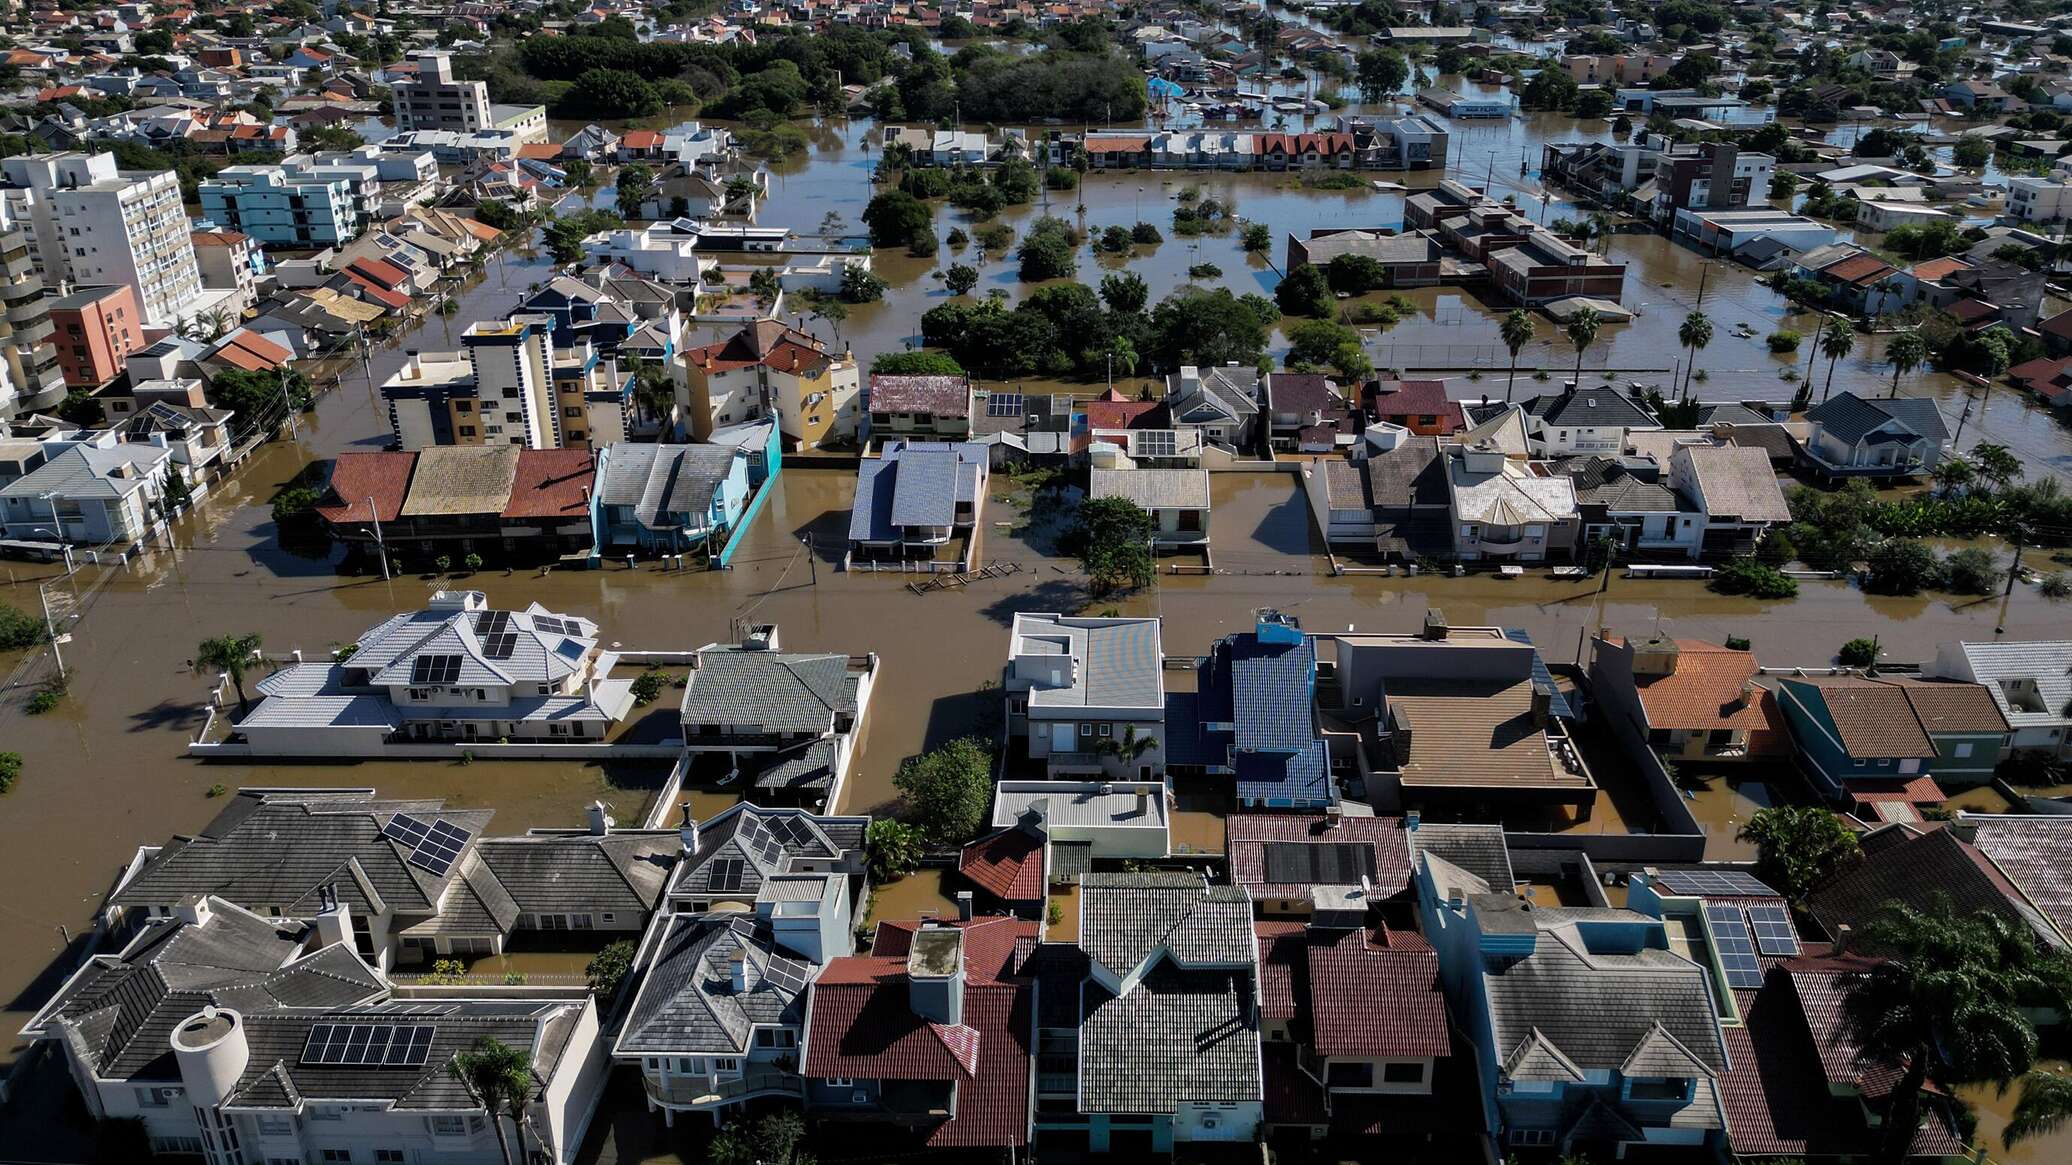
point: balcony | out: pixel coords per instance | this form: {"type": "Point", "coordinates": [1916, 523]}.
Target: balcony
{"type": "Point", "coordinates": [1074, 760]}
{"type": "Point", "coordinates": [692, 1093]}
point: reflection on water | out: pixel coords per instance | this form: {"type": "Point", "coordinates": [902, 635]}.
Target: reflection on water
{"type": "Point", "coordinates": [921, 894]}
{"type": "Point", "coordinates": [1995, 1108]}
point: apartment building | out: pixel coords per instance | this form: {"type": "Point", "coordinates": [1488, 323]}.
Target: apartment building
{"type": "Point", "coordinates": [2038, 200]}
{"type": "Point", "coordinates": [229, 262]}
{"type": "Point", "coordinates": [436, 100]}
{"type": "Point", "coordinates": [299, 211]}
{"type": "Point", "coordinates": [89, 224]}
{"type": "Point", "coordinates": [94, 330]}
{"type": "Point", "coordinates": [30, 377]}
{"type": "Point", "coordinates": [510, 385]}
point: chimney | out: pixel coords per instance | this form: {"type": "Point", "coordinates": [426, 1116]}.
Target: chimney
{"type": "Point", "coordinates": [1334, 816]}
{"type": "Point", "coordinates": [600, 822]}
{"type": "Point", "coordinates": [1435, 624]}
{"type": "Point", "coordinates": [1843, 934]}
{"type": "Point", "coordinates": [964, 905]}
{"type": "Point", "coordinates": [413, 365]}
{"type": "Point", "coordinates": [1655, 656]}
{"type": "Point", "coordinates": [1542, 705]}
{"type": "Point", "coordinates": [334, 920]}
{"type": "Point", "coordinates": [193, 910]}
{"type": "Point", "coordinates": [688, 832]}
{"type": "Point", "coordinates": [935, 974]}
{"type": "Point", "coordinates": [1143, 800]}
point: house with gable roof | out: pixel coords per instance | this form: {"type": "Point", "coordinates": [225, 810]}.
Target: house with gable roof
{"type": "Point", "coordinates": [1222, 402]}
{"type": "Point", "coordinates": [1855, 436]}
{"type": "Point", "coordinates": [2030, 682]}
{"type": "Point", "coordinates": [920, 503]}
{"type": "Point", "coordinates": [456, 670]}
{"type": "Point", "coordinates": [784, 722]}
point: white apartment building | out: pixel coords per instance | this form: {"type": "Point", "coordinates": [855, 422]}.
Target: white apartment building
{"type": "Point", "coordinates": [2038, 200]}
{"type": "Point", "coordinates": [92, 225]}
{"type": "Point", "coordinates": [435, 100]}
{"type": "Point", "coordinates": [30, 378]}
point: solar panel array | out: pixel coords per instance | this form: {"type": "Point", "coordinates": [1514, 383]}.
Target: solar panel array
{"type": "Point", "coordinates": [554, 626]}
{"type": "Point", "coordinates": [754, 838]}
{"type": "Point", "coordinates": [434, 845]}
{"type": "Point", "coordinates": [435, 669]}
{"type": "Point", "coordinates": [1773, 930]}
{"type": "Point", "coordinates": [725, 874]}
{"type": "Point", "coordinates": [1004, 404]}
{"type": "Point", "coordinates": [1157, 443]}
{"type": "Point", "coordinates": [786, 973]}
{"type": "Point", "coordinates": [1713, 882]}
{"type": "Point", "coordinates": [793, 830]}
{"type": "Point", "coordinates": [1731, 943]}
{"type": "Point", "coordinates": [494, 628]}
{"type": "Point", "coordinates": [368, 1045]}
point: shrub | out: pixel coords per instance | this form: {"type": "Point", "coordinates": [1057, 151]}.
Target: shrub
{"type": "Point", "coordinates": [1858, 653]}
{"type": "Point", "coordinates": [46, 699]}
{"type": "Point", "coordinates": [1146, 235]}
{"type": "Point", "coordinates": [18, 628]}
{"type": "Point", "coordinates": [443, 563]}
{"type": "Point", "coordinates": [1784, 340]}
{"type": "Point", "coordinates": [956, 238]}
{"type": "Point", "coordinates": [2054, 585]}
{"type": "Point", "coordinates": [608, 967]}
{"type": "Point", "coordinates": [1205, 271]}
{"type": "Point", "coordinates": [10, 770]}
{"type": "Point", "coordinates": [647, 686]}
{"type": "Point", "coordinates": [948, 790]}
{"type": "Point", "coordinates": [1775, 549]}
{"type": "Point", "coordinates": [1746, 576]}
{"type": "Point", "coordinates": [216, 790]}
{"type": "Point", "coordinates": [1902, 566]}
{"type": "Point", "coordinates": [1972, 572]}
{"type": "Point", "coordinates": [472, 563]}
{"type": "Point", "coordinates": [894, 849]}
{"type": "Point", "coordinates": [1737, 643]}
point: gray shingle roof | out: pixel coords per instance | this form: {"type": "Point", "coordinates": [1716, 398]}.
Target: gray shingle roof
{"type": "Point", "coordinates": [913, 483]}
{"type": "Point", "coordinates": [777, 691]}
{"type": "Point", "coordinates": [390, 650]}
{"type": "Point", "coordinates": [1849, 418]}
{"type": "Point", "coordinates": [687, 1002]}
{"type": "Point", "coordinates": [1128, 918]}
{"type": "Point", "coordinates": [1602, 407]}
{"type": "Point", "coordinates": [1476, 849]}
{"type": "Point", "coordinates": [664, 483]}
{"type": "Point", "coordinates": [745, 833]}
{"type": "Point", "coordinates": [560, 873]}
{"type": "Point", "coordinates": [1153, 489]}
{"type": "Point", "coordinates": [1179, 1036]}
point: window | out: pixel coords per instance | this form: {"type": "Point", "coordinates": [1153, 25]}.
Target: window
{"type": "Point", "coordinates": [276, 1126]}
{"type": "Point", "coordinates": [156, 1097]}
{"type": "Point", "coordinates": [778, 1037]}
{"type": "Point", "coordinates": [1349, 1074]}
{"type": "Point", "coordinates": [1963, 750]}
{"type": "Point", "coordinates": [337, 1155]}
{"type": "Point", "coordinates": [389, 1155]}
{"type": "Point", "coordinates": [1403, 1072]}
{"type": "Point", "coordinates": [188, 1145]}
{"type": "Point", "coordinates": [840, 1082]}
{"type": "Point", "coordinates": [1534, 1138]}
{"type": "Point", "coordinates": [1086, 728]}
{"type": "Point", "coordinates": [1105, 728]}
{"type": "Point", "coordinates": [725, 1064]}
{"type": "Point", "coordinates": [448, 1126]}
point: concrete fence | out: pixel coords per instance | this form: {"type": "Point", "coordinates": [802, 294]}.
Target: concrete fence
{"type": "Point", "coordinates": [452, 750]}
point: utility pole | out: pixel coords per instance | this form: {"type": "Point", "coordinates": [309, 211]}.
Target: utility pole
{"type": "Point", "coordinates": [50, 627]}
{"type": "Point", "coordinates": [380, 546]}
{"type": "Point", "coordinates": [1704, 270]}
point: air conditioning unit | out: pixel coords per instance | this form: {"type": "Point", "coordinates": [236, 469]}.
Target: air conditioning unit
{"type": "Point", "coordinates": [1211, 1122]}
{"type": "Point", "coordinates": [860, 1096]}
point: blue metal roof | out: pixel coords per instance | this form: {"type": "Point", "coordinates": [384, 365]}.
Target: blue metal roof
{"type": "Point", "coordinates": [1541, 677]}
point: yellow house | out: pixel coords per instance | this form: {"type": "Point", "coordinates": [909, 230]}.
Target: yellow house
{"type": "Point", "coordinates": [768, 367]}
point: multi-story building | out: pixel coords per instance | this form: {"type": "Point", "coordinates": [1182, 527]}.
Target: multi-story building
{"type": "Point", "coordinates": [30, 377]}
{"type": "Point", "coordinates": [1088, 693]}
{"type": "Point", "coordinates": [90, 224]}
{"type": "Point", "coordinates": [96, 328]}
{"type": "Point", "coordinates": [768, 368]}
{"type": "Point", "coordinates": [1547, 267]}
{"type": "Point", "coordinates": [300, 211]}
{"type": "Point", "coordinates": [229, 262]}
{"type": "Point", "coordinates": [2038, 200]}
{"type": "Point", "coordinates": [436, 100]}
{"type": "Point", "coordinates": [510, 386]}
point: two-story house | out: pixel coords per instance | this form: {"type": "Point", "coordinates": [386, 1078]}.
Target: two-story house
{"type": "Point", "coordinates": [1222, 402]}
{"type": "Point", "coordinates": [669, 499]}
{"type": "Point", "coordinates": [928, 408]}
{"type": "Point", "coordinates": [457, 670]}
{"type": "Point", "coordinates": [919, 503]}
{"type": "Point", "coordinates": [1088, 693]}
{"type": "Point", "coordinates": [2030, 681]}
{"type": "Point", "coordinates": [1888, 438]}
{"type": "Point", "coordinates": [1252, 717]}
{"type": "Point", "coordinates": [784, 722]}
{"type": "Point", "coordinates": [1867, 740]}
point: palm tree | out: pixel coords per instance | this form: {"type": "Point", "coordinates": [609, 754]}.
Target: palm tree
{"type": "Point", "coordinates": [1124, 353]}
{"type": "Point", "coordinates": [1695, 333]}
{"type": "Point", "coordinates": [1582, 330]}
{"type": "Point", "coordinates": [1905, 353]}
{"type": "Point", "coordinates": [231, 655]}
{"type": "Point", "coordinates": [1836, 342]}
{"type": "Point", "coordinates": [499, 1078]}
{"type": "Point", "coordinates": [1954, 472]}
{"type": "Point", "coordinates": [1517, 331]}
{"type": "Point", "coordinates": [2045, 1106]}
{"type": "Point", "coordinates": [1950, 1002]}
{"type": "Point", "coordinates": [1127, 747]}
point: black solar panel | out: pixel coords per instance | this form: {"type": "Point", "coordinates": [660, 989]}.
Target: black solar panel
{"type": "Point", "coordinates": [435, 669]}
{"type": "Point", "coordinates": [553, 626]}
{"type": "Point", "coordinates": [1334, 863]}
{"type": "Point", "coordinates": [1722, 882]}
{"type": "Point", "coordinates": [406, 829]}
{"type": "Point", "coordinates": [786, 974]}
{"type": "Point", "coordinates": [1773, 930]}
{"type": "Point", "coordinates": [1004, 404]}
{"type": "Point", "coordinates": [1731, 943]}
{"type": "Point", "coordinates": [362, 1045]}
{"type": "Point", "coordinates": [492, 622]}
{"type": "Point", "coordinates": [440, 848]}
{"type": "Point", "coordinates": [725, 874]}
{"type": "Point", "coordinates": [793, 830]}
{"type": "Point", "coordinates": [1157, 443]}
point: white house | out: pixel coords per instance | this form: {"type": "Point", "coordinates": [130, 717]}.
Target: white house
{"type": "Point", "coordinates": [2030, 681]}
{"type": "Point", "coordinates": [100, 489]}
{"type": "Point", "coordinates": [1080, 687]}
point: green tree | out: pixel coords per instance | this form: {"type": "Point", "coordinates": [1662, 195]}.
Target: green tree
{"type": "Point", "coordinates": [1257, 238]}
{"type": "Point", "coordinates": [1798, 847]}
{"type": "Point", "coordinates": [1125, 292]}
{"type": "Point", "coordinates": [960, 278]}
{"type": "Point", "coordinates": [764, 285]}
{"type": "Point", "coordinates": [1517, 331]}
{"type": "Point", "coordinates": [1949, 1000]}
{"type": "Point", "coordinates": [1694, 334]}
{"type": "Point", "coordinates": [1050, 250]}
{"type": "Point", "coordinates": [1860, 652]}
{"type": "Point", "coordinates": [499, 1078]}
{"type": "Point", "coordinates": [1905, 353]}
{"type": "Point", "coordinates": [1837, 340]}
{"type": "Point", "coordinates": [1996, 464]}
{"type": "Point", "coordinates": [948, 790]}
{"type": "Point", "coordinates": [1972, 152]}
{"type": "Point", "coordinates": [1381, 72]}
{"type": "Point", "coordinates": [564, 235]}
{"type": "Point", "coordinates": [610, 93]}
{"type": "Point", "coordinates": [1195, 325]}
{"type": "Point", "coordinates": [1972, 571]}
{"type": "Point", "coordinates": [636, 185]}
{"type": "Point", "coordinates": [1582, 329]}
{"type": "Point", "coordinates": [1111, 537]}
{"type": "Point", "coordinates": [2044, 1107]}
{"type": "Point", "coordinates": [860, 285]}
{"type": "Point", "coordinates": [230, 655]}
{"type": "Point", "coordinates": [1306, 292]}
{"type": "Point", "coordinates": [1902, 566]}
{"type": "Point", "coordinates": [916, 364]}
{"type": "Point", "coordinates": [18, 629]}
{"type": "Point", "coordinates": [607, 969]}
{"type": "Point", "coordinates": [1317, 344]}
{"type": "Point", "coordinates": [895, 217]}
{"type": "Point", "coordinates": [894, 848]}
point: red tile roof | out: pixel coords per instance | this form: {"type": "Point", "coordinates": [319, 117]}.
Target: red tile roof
{"type": "Point", "coordinates": [380, 271]}
{"type": "Point", "coordinates": [552, 483]}
{"type": "Point", "coordinates": [1934, 269]}
{"type": "Point", "coordinates": [1858, 269]}
{"type": "Point", "coordinates": [1292, 1096]}
{"type": "Point", "coordinates": [1392, 399]}
{"type": "Point", "coordinates": [358, 478]}
{"type": "Point", "coordinates": [861, 1025]}
{"type": "Point", "coordinates": [1913, 791]}
{"type": "Point", "coordinates": [1705, 693]}
{"type": "Point", "coordinates": [394, 300]}
{"type": "Point", "coordinates": [1370, 998]}
{"type": "Point", "coordinates": [1112, 410]}
{"type": "Point", "coordinates": [640, 139]}
{"type": "Point", "coordinates": [1007, 864]}
{"type": "Point", "coordinates": [2041, 373]}
{"type": "Point", "coordinates": [766, 342]}
{"type": "Point", "coordinates": [251, 352]}
{"type": "Point", "coordinates": [1283, 969]}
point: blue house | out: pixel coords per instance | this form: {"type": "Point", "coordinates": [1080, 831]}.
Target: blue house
{"type": "Point", "coordinates": [1594, 1032]}
{"type": "Point", "coordinates": [1870, 739]}
{"type": "Point", "coordinates": [1253, 716]}
{"type": "Point", "coordinates": [669, 499]}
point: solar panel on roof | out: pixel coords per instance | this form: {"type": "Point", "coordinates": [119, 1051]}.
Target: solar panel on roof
{"type": "Point", "coordinates": [492, 622]}
{"type": "Point", "coordinates": [1004, 404]}
{"type": "Point", "coordinates": [1773, 930]}
{"type": "Point", "coordinates": [1157, 443]}
{"type": "Point", "coordinates": [1731, 943]}
{"type": "Point", "coordinates": [435, 669]}
{"type": "Point", "coordinates": [500, 645]}
{"type": "Point", "coordinates": [361, 1045]}
{"type": "Point", "coordinates": [406, 829]}
{"type": "Point", "coordinates": [440, 848]}
{"type": "Point", "coordinates": [725, 874]}
{"type": "Point", "coordinates": [1724, 882]}
{"type": "Point", "coordinates": [786, 974]}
